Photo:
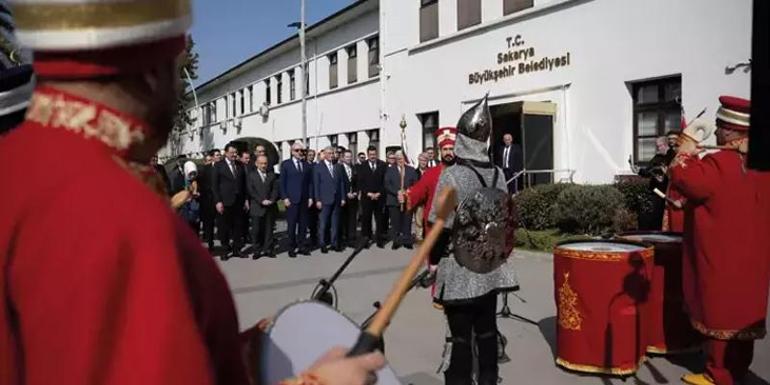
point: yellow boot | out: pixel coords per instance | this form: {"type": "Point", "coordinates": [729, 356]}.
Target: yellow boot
{"type": "Point", "coordinates": [697, 379]}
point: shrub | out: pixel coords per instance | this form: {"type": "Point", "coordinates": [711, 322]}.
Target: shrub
{"type": "Point", "coordinates": [637, 196]}
{"type": "Point", "coordinates": [534, 205]}
{"type": "Point", "coordinates": [543, 240]}
{"type": "Point", "coordinates": [624, 220]}
{"type": "Point", "coordinates": [587, 209]}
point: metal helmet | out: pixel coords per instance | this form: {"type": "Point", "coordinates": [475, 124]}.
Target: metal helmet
{"type": "Point", "coordinates": [476, 123]}
{"type": "Point", "coordinates": [483, 230]}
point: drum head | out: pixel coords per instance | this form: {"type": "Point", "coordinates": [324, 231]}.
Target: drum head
{"type": "Point", "coordinates": [653, 237]}
{"type": "Point", "coordinates": [302, 333]}
{"type": "Point", "coordinates": [602, 246]}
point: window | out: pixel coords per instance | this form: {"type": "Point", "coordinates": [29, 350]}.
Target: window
{"type": "Point", "coordinates": [292, 86]}
{"type": "Point", "coordinates": [657, 110]}
{"type": "Point", "coordinates": [333, 71]}
{"type": "Point", "coordinates": [352, 64]}
{"type": "Point", "coordinates": [278, 89]}
{"type": "Point", "coordinates": [374, 137]}
{"type": "Point", "coordinates": [429, 126]}
{"type": "Point", "coordinates": [242, 98]}
{"type": "Point", "coordinates": [250, 95]}
{"type": "Point", "coordinates": [206, 113]}
{"type": "Point", "coordinates": [333, 140]}
{"type": "Point", "coordinates": [353, 143]}
{"type": "Point", "coordinates": [468, 13]}
{"type": "Point", "coordinates": [428, 20]}
{"type": "Point", "coordinates": [374, 56]}
{"type": "Point", "coordinates": [267, 92]}
{"type": "Point", "coordinates": [232, 105]}
{"type": "Point", "coordinates": [306, 74]}
{"type": "Point", "coordinates": [512, 6]}
{"type": "Point", "coordinates": [213, 111]}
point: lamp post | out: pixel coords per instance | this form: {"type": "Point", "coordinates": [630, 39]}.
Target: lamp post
{"type": "Point", "coordinates": [303, 59]}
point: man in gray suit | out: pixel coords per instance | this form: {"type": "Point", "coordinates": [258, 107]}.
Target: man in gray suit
{"type": "Point", "coordinates": [262, 187]}
{"type": "Point", "coordinates": [399, 178]}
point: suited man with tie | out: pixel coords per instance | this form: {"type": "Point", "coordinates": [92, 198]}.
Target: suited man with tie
{"type": "Point", "coordinates": [371, 179]}
{"type": "Point", "coordinates": [262, 186]}
{"type": "Point", "coordinates": [329, 194]}
{"type": "Point", "coordinates": [398, 179]}
{"type": "Point", "coordinates": [431, 153]}
{"type": "Point", "coordinates": [295, 183]}
{"type": "Point", "coordinates": [349, 213]}
{"type": "Point", "coordinates": [510, 158]}
{"type": "Point", "coordinates": [228, 187]}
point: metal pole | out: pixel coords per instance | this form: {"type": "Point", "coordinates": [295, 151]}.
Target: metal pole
{"type": "Point", "coordinates": [304, 72]}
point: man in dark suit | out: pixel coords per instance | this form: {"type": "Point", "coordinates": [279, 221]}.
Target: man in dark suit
{"type": "Point", "coordinates": [228, 181]}
{"type": "Point", "coordinates": [262, 186]}
{"type": "Point", "coordinates": [398, 179]}
{"type": "Point", "coordinates": [371, 177]}
{"type": "Point", "coordinates": [329, 194]}
{"type": "Point", "coordinates": [510, 158]}
{"type": "Point", "coordinates": [208, 211]}
{"type": "Point", "coordinates": [349, 213]}
{"type": "Point", "coordinates": [296, 183]}
{"type": "Point", "coordinates": [176, 179]}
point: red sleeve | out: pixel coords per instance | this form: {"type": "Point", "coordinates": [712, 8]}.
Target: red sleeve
{"type": "Point", "coordinates": [418, 193]}
{"type": "Point", "coordinates": [100, 293]}
{"type": "Point", "coordinates": [695, 178]}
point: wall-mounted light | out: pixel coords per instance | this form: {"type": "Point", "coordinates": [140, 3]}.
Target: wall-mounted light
{"type": "Point", "coordinates": [745, 65]}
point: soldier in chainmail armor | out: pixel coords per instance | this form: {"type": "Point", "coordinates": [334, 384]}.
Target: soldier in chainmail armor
{"type": "Point", "coordinates": [472, 252]}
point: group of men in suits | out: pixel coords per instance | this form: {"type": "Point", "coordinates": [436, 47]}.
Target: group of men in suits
{"type": "Point", "coordinates": [325, 199]}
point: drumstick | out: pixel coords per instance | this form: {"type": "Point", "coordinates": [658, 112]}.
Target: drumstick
{"type": "Point", "coordinates": [369, 338]}
{"type": "Point", "coordinates": [659, 193]}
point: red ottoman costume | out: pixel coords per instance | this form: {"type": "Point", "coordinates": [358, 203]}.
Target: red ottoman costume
{"type": "Point", "coordinates": [725, 249]}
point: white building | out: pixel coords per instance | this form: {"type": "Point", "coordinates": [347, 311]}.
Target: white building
{"type": "Point", "coordinates": [584, 84]}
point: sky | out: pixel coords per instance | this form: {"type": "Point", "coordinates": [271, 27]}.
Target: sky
{"type": "Point", "coordinates": [227, 32]}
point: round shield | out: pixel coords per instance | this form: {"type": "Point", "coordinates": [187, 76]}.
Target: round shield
{"type": "Point", "coordinates": [483, 230]}
{"type": "Point", "coordinates": [301, 333]}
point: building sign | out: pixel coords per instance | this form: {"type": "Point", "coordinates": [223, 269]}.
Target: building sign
{"type": "Point", "coordinates": [518, 59]}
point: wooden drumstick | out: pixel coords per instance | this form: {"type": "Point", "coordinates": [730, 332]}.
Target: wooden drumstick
{"type": "Point", "coordinates": [370, 337]}
{"type": "Point", "coordinates": [659, 193]}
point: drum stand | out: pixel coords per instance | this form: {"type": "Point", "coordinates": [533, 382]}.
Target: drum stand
{"type": "Point", "coordinates": [506, 312]}
{"type": "Point", "coordinates": [322, 293]}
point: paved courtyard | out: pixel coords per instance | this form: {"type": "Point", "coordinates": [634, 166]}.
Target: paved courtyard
{"type": "Point", "coordinates": [415, 339]}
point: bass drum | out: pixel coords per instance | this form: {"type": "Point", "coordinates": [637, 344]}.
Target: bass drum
{"type": "Point", "coordinates": [301, 333]}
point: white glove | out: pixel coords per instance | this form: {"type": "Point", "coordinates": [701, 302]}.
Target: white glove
{"type": "Point", "coordinates": [699, 130]}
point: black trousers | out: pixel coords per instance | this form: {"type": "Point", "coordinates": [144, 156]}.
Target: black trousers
{"type": "Point", "coordinates": [231, 227]}
{"type": "Point", "coordinates": [349, 222]}
{"type": "Point", "coordinates": [208, 217]}
{"type": "Point", "coordinates": [400, 226]}
{"type": "Point", "coordinates": [371, 208]}
{"type": "Point", "coordinates": [476, 318]}
{"type": "Point", "coordinates": [262, 232]}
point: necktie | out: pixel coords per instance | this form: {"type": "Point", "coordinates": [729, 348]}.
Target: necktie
{"type": "Point", "coordinates": [298, 164]}
{"type": "Point", "coordinates": [331, 171]}
{"type": "Point", "coordinates": [347, 171]}
{"type": "Point", "coordinates": [372, 166]}
{"type": "Point", "coordinates": [262, 175]}
{"type": "Point", "coordinates": [232, 167]}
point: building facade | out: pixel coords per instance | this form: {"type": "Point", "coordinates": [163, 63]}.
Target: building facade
{"type": "Point", "coordinates": [585, 85]}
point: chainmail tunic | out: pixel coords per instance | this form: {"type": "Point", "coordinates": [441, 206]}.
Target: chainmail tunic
{"type": "Point", "coordinates": [455, 282]}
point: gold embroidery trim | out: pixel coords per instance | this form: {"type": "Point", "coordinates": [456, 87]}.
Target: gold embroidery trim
{"type": "Point", "coordinates": [598, 369]}
{"type": "Point", "coordinates": [110, 14]}
{"type": "Point", "coordinates": [723, 334]}
{"type": "Point", "coordinates": [569, 315]}
{"type": "Point", "coordinates": [85, 119]}
{"type": "Point", "coordinates": [657, 350]}
{"type": "Point", "coordinates": [606, 256]}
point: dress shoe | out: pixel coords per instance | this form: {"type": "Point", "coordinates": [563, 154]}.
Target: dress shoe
{"type": "Point", "coordinates": [381, 244]}
{"type": "Point", "coordinates": [292, 254]}
{"type": "Point", "coordinates": [324, 250]}
{"type": "Point", "coordinates": [339, 249]}
{"type": "Point", "coordinates": [305, 251]}
{"type": "Point", "coordinates": [697, 379]}
{"type": "Point", "coordinates": [408, 246]}
{"type": "Point", "coordinates": [270, 254]}
{"type": "Point", "coordinates": [256, 255]}
{"type": "Point", "coordinates": [395, 246]}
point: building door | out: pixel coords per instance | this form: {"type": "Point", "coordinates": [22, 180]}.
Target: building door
{"type": "Point", "coordinates": [531, 126]}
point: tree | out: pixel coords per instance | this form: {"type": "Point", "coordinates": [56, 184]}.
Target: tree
{"type": "Point", "coordinates": [189, 63]}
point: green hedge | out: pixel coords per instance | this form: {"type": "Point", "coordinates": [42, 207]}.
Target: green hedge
{"type": "Point", "coordinates": [638, 197]}
{"type": "Point", "coordinates": [534, 205]}
{"type": "Point", "coordinates": [579, 209]}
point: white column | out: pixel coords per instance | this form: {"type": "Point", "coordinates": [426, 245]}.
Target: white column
{"type": "Point", "coordinates": [491, 10]}
{"type": "Point", "coordinates": [342, 67]}
{"type": "Point", "coordinates": [447, 17]}
{"type": "Point", "coordinates": [363, 60]}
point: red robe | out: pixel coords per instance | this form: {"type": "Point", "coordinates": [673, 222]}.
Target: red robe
{"type": "Point", "coordinates": [674, 216]}
{"type": "Point", "coordinates": [101, 283]}
{"type": "Point", "coordinates": [726, 256]}
{"type": "Point", "coordinates": [421, 193]}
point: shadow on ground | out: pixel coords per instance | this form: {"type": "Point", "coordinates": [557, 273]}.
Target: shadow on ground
{"type": "Point", "coordinates": [420, 378]}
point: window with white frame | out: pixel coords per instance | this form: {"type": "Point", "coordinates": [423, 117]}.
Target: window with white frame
{"type": "Point", "coordinates": [292, 85]}
{"type": "Point", "coordinates": [333, 70]}
{"type": "Point", "coordinates": [374, 56]}
{"type": "Point", "coordinates": [428, 20]}
{"type": "Point", "coordinates": [352, 63]}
